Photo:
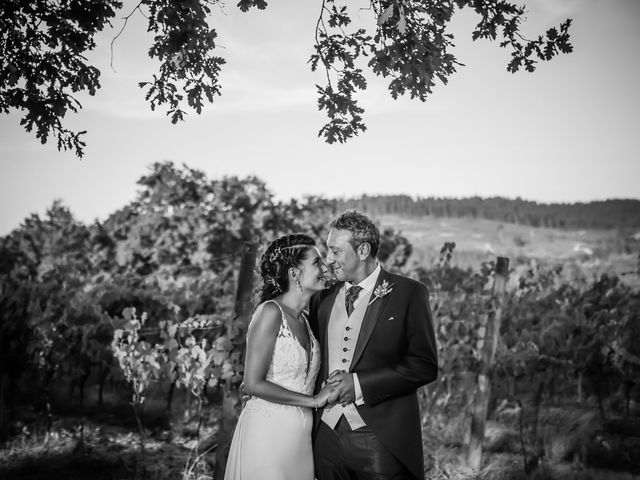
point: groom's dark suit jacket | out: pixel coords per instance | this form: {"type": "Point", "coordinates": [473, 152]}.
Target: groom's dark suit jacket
{"type": "Point", "coordinates": [395, 354]}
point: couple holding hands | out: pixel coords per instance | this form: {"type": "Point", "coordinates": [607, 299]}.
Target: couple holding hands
{"type": "Point", "coordinates": [333, 373]}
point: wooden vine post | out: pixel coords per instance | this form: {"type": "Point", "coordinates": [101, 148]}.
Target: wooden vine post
{"type": "Point", "coordinates": [483, 388]}
{"type": "Point", "coordinates": [243, 307]}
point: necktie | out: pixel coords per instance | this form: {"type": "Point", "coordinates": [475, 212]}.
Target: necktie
{"type": "Point", "coordinates": [350, 297]}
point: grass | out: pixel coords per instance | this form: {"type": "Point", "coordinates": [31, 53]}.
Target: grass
{"type": "Point", "coordinates": [109, 449]}
{"type": "Point", "coordinates": [573, 443]}
{"type": "Point", "coordinates": [102, 452]}
{"type": "Point", "coordinates": [104, 443]}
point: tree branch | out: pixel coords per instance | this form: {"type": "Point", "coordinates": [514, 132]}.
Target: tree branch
{"type": "Point", "coordinates": [126, 19]}
{"type": "Point", "coordinates": [324, 29]}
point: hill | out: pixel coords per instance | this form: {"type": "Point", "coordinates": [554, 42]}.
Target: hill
{"type": "Point", "coordinates": [606, 214]}
{"type": "Point", "coordinates": [586, 251]}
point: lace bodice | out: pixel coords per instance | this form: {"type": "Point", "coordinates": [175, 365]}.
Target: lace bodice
{"type": "Point", "coordinates": [290, 367]}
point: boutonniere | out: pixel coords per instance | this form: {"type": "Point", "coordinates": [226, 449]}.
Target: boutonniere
{"type": "Point", "coordinates": [381, 290]}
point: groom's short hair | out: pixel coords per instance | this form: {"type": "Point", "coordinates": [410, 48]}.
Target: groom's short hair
{"type": "Point", "coordinates": [361, 227]}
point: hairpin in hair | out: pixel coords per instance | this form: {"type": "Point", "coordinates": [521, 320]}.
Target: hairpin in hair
{"type": "Point", "coordinates": [274, 283]}
{"type": "Point", "coordinates": [279, 253]}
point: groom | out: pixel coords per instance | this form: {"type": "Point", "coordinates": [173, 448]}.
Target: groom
{"type": "Point", "coordinates": [378, 348]}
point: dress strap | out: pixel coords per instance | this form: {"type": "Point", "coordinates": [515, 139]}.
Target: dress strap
{"type": "Point", "coordinates": [284, 325]}
{"type": "Point", "coordinates": [277, 304]}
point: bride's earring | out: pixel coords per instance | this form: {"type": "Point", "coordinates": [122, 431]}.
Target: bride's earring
{"type": "Point", "coordinates": [298, 285]}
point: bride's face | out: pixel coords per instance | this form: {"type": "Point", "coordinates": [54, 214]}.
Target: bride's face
{"type": "Point", "coordinates": [312, 271]}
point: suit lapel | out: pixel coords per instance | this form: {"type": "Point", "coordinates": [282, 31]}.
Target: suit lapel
{"type": "Point", "coordinates": [371, 316]}
{"type": "Point", "coordinates": [324, 314]}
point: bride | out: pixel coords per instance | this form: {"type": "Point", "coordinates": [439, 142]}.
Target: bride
{"type": "Point", "coordinates": [272, 439]}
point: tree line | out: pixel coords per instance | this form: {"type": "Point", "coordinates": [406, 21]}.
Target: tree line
{"type": "Point", "coordinates": [604, 214]}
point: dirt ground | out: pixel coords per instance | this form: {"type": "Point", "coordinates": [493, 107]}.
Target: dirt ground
{"type": "Point", "coordinates": [105, 444]}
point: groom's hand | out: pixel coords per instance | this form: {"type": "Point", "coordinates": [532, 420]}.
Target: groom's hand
{"type": "Point", "coordinates": [343, 383]}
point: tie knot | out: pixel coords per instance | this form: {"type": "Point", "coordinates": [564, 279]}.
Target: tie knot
{"type": "Point", "coordinates": [353, 291]}
{"type": "Point", "coordinates": [350, 298]}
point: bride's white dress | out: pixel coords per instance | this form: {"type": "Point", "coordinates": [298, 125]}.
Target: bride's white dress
{"type": "Point", "coordinates": [273, 441]}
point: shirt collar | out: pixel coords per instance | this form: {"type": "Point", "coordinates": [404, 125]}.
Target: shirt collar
{"type": "Point", "coordinates": [369, 282]}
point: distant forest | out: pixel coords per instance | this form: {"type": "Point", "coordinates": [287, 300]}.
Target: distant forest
{"type": "Point", "coordinates": [608, 214]}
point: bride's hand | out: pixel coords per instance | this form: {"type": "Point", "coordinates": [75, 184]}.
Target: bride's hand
{"type": "Point", "coordinates": [326, 396]}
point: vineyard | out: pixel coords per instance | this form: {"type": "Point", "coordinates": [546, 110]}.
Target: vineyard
{"type": "Point", "coordinates": [122, 342]}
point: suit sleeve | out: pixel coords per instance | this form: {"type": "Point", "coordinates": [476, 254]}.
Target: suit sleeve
{"type": "Point", "coordinates": [419, 364]}
{"type": "Point", "coordinates": [314, 304]}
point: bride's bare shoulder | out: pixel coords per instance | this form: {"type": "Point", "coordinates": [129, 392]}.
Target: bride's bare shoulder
{"type": "Point", "coordinates": [267, 316]}
{"type": "Point", "coordinates": [270, 308]}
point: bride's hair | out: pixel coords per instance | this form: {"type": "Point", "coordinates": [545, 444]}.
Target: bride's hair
{"type": "Point", "coordinates": [282, 254]}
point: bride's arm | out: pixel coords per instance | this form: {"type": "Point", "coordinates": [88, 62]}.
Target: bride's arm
{"type": "Point", "coordinates": [261, 340]}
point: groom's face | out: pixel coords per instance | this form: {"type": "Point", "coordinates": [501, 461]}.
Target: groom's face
{"type": "Point", "coordinates": [341, 256]}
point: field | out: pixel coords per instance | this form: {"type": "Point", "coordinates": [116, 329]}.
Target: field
{"type": "Point", "coordinates": [587, 252]}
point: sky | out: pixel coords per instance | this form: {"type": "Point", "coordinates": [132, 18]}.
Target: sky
{"type": "Point", "coordinates": [569, 132]}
